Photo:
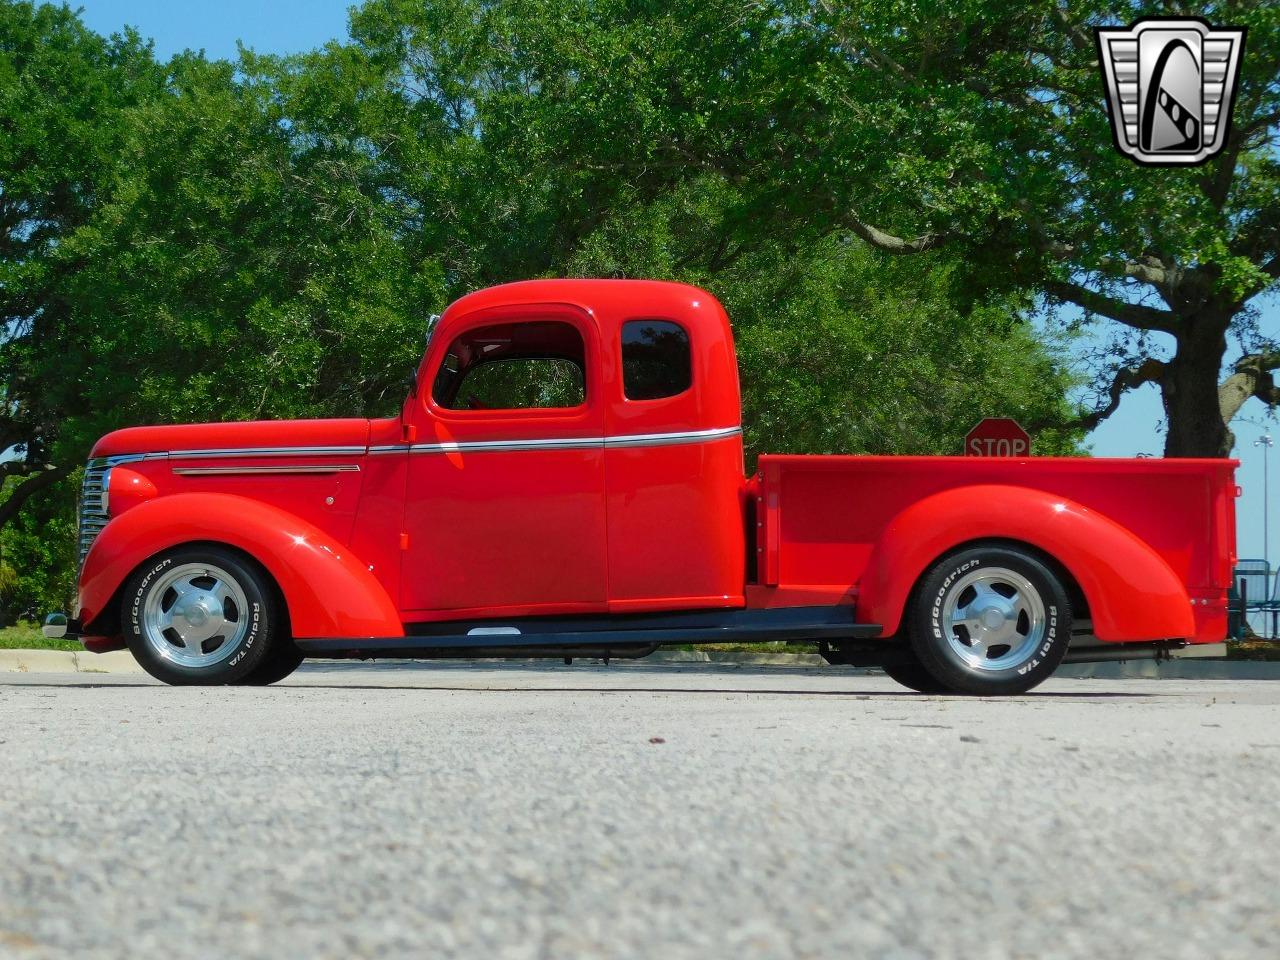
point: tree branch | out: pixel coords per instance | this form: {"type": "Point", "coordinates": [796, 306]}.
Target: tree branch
{"type": "Point", "coordinates": [1130, 314]}
{"type": "Point", "coordinates": [1078, 35]}
{"type": "Point", "coordinates": [1147, 270]}
{"type": "Point", "coordinates": [32, 485]}
{"type": "Point", "coordinates": [891, 244]}
{"type": "Point", "coordinates": [1148, 371]}
{"type": "Point", "coordinates": [1251, 378]}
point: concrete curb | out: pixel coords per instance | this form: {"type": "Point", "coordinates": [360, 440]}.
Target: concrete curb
{"type": "Point", "coordinates": [67, 661]}
{"type": "Point", "coordinates": [122, 662]}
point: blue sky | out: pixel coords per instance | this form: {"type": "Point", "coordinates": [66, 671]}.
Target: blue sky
{"type": "Point", "coordinates": [269, 26]}
{"type": "Point", "coordinates": [291, 26]}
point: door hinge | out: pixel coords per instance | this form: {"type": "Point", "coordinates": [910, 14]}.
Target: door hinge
{"type": "Point", "coordinates": [404, 541]}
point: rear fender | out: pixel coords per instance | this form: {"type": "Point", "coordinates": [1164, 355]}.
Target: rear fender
{"type": "Point", "coordinates": [1132, 592]}
{"type": "Point", "coordinates": [329, 592]}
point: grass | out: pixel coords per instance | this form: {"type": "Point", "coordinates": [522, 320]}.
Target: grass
{"type": "Point", "coordinates": [1253, 648]}
{"type": "Point", "coordinates": [26, 635]}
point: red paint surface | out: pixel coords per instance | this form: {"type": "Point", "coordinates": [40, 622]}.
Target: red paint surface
{"type": "Point", "coordinates": [1141, 537]}
{"type": "Point", "coordinates": [329, 590]}
{"type": "Point", "coordinates": [475, 534]}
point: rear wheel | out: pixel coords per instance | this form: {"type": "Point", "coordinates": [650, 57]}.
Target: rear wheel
{"type": "Point", "coordinates": [990, 620]}
{"type": "Point", "coordinates": [200, 615]}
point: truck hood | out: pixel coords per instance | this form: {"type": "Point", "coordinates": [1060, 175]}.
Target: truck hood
{"type": "Point", "coordinates": [252, 435]}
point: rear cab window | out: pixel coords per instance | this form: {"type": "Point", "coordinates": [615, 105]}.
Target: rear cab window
{"type": "Point", "coordinates": [657, 361]}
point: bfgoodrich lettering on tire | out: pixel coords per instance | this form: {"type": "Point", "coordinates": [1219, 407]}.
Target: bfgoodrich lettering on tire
{"type": "Point", "coordinates": [200, 615]}
{"type": "Point", "coordinates": [990, 620]}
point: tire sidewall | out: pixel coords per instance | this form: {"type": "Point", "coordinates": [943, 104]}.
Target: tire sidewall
{"type": "Point", "coordinates": [281, 660]}
{"type": "Point", "coordinates": [929, 641]}
{"type": "Point", "coordinates": [253, 647]}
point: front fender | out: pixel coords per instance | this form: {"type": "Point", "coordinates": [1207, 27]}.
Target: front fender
{"type": "Point", "coordinates": [329, 592]}
{"type": "Point", "coordinates": [1132, 592]}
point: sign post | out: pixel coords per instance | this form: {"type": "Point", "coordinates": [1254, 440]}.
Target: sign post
{"type": "Point", "coordinates": [997, 437]}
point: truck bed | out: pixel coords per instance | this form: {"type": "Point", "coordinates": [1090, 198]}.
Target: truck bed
{"type": "Point", "coordinates": [823, 520]}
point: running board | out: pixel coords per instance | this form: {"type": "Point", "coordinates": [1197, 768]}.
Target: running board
{"type": "Point", "coordinates": [1120, 652]}
{"type": "Point", "coordinates": [620, 632]}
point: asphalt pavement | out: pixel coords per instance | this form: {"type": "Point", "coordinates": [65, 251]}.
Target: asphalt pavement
{"type": "Point", "coordinates": [637, 811]}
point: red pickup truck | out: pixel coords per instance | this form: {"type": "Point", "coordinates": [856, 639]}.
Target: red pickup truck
{"type": "Point", "coordinates": [566, 479]}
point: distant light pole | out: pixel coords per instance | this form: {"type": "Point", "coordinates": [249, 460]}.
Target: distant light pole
{"type": "Point", "coordinates": [1265, 443]}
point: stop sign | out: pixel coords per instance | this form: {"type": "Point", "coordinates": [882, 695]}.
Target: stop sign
{"type": "Point", "coordinates": [997, 437]}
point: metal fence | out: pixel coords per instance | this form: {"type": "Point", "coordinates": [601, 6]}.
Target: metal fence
{"type": "Point", "coordinates": [1256, 599]}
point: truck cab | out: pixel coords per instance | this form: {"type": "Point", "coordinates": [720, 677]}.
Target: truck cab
{"type": "Point", "coordinates": [573, 448]}
{"type": "Point", "coordinates": [566, 478]}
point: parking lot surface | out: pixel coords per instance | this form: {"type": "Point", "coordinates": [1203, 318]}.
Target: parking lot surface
{"type": "Point", "coordinates": [510, 811]}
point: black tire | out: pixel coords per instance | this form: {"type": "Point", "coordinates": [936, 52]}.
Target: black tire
{"type": "Point", "coordinates": [282, 659]}
{"type": "Point", "coordinates": [978, 655]}
{"type": "Point", "coordinates": [915, 677]}
{"type": "Point", "coordinates": [248, 614]}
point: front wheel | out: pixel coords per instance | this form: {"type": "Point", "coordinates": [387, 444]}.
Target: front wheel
{"type": "Point", "coordinates": [915, 677]}
{"type": "Point", "coordinates": [990, 620]}
{"type": "Point", "coordinates": [283, 658]}
{"type": "Point", "coordinates": [200, 615]}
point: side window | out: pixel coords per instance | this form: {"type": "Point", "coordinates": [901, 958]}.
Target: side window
{"type": "Point", "coordinates": [514, 366]}
{"type": "Point", "coordinates": [656, 361]}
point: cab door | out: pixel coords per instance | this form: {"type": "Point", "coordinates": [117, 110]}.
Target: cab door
{"type": "Point", "coordinates": [505, 506]}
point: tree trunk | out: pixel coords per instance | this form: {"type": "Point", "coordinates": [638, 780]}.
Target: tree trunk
{"type": "Point", "coordinates": [34, 483]}
{"type": "Point", "coordinates": [1189, 388]}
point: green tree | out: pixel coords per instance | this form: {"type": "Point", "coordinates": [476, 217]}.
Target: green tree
{"type": "Point", "coordinates": [175, 247]}
{"type": "Point", "coordinates": [237, 270]}
{"type": "Point", "coordinates": [914, 125]}
{"type": "Point", "coordinates": [980, 126]}
{"type": "Point", "coordinates": [38, 554]}
{"type": "Point", "coordinates": [615, 139]}
{"type": "Point", "coordinates": [64, 92]}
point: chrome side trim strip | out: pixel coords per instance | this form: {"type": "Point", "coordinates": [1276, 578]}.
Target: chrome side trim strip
{"type": "Point", "coordinates": [570, 443]}
{"type": "Point", "coordinates": [94, 463]}
{"type": "Point", "coordinates": [670, 439]}
{"type": "Point", "coordinates": [225, 452]}
{"type": "Point", "coordinates": [245, 471]}
{"type": "Point", "coordinates": [476, 446]}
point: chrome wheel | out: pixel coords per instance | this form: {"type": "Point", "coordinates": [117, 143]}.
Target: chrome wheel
{"type": "Point", "coordinates": [196, 615]}
{"type": "Point", "coordinates": [993, 619]}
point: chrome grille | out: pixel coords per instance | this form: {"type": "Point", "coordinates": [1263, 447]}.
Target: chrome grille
{"type": "Point", "coordinates": [92, 515]}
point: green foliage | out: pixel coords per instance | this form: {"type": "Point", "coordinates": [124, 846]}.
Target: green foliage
{"type": "Point", "coordinates": [843, 349]}
{"type": "Point", "coordinates": [864, 355]}
{"type": "Point", "coordinates": [38, 555]}
{"type": "Point", "coordinates": [26, 635]}
{"type": "Point", "coordinates": [519, 384]}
